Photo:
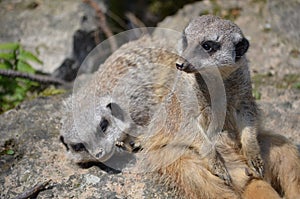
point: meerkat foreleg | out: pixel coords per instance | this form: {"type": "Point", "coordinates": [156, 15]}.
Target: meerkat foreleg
{"type": "Point", "coordinates": [251, 149]}
{"type": "Point", "coordinates": [217, 166]}
{"type": "Point", "coordinates": [207, 148]}
{"type": "Point", "coordinates": [215, 162]}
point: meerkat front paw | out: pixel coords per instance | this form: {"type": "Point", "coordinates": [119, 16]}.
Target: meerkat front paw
{"type": "Point", "coordinates": [129, 145]}
{"type": "Point", "coordinates": [252, 154]}
{"type": "Point", "coordinates": [251, 151]}
{"type": "Point", "coordinates": [256, 163]}
{"type": "Point", "coordinates": [219, 169]}
{"type": "Point", "coordinates": [136, 146]}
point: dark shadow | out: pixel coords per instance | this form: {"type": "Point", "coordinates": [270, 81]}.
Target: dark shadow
{"type": "Point", "coordinates": [100, 165]}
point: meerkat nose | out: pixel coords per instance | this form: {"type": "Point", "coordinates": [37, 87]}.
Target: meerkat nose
{"type": "Point", "coordinates": [100, 154]}
{"type": "Point", "coordinates": [180, 65]}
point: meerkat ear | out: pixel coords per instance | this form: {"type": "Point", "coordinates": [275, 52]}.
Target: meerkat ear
{"type": "Point", "coordinates": [241, 48]}
{"type": "Point", "coordinates": [116, 111]}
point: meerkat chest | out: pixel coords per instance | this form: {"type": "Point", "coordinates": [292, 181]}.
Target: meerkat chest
{"type": "Point", "coordinates": [234, 114]}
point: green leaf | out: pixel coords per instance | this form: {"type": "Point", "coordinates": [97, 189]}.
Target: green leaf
{"type": "Point", "coordinates": [9, 152]}
{"type": "Point", "coordinates": [5, 65]}
{"type": "Point", "coordinates": [256, 94]}
{"type": "Point", "coordinates": [24, 67]}
{"type": "Point", "coordinates": [52, 91]}
{"type": "Point", "coordinates": [15, 90]}
{"type": "Point", "coordinates": [297, 85]}
{"type": "Point", "coordinates": [9, 46]}
{"type": "Point", "coordinates": [7, 56]}
{"type": "Point", "coordinates": [28, 56]}
{"type": "Point", "coordinates": [32, 83]}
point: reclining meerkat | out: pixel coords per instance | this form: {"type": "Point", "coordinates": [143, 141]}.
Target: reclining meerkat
{"type": "Point", "coordinates": [189, 172]}
{"type": "Point", "coordinates": [207, 42]}
{"type": "Point", "coordinates": [146, 88]}
{"type": "Point", "coordinates": [94, 127]}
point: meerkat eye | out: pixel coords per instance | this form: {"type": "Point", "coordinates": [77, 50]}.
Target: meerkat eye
{"type": "Point", "coordinates": [78, 147]}
{"type": "Point", "coordinates": [210, 46]}
{"type": "Point", "coordinates": [103, 125]}
{"type": "Point", "coordinates": [207, 46]}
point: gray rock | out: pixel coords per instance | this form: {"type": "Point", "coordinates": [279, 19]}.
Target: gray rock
{"type": "Point", "coordinates": [45, 27]}
{"type": "Point", "coordinates": [281, 111]}
{"type": "Point", "coordinates": [285, 17]}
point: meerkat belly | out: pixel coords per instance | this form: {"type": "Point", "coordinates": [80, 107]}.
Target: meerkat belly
{"type": "Point", "coordinates": [232, 121]}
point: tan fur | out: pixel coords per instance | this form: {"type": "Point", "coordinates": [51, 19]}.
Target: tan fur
{"type": "Point", "coordinates": [282, 164]}
{"type": "Point", "coordinates": [258, 189]}
{"type": "Point", "coordinates": [191, 175]}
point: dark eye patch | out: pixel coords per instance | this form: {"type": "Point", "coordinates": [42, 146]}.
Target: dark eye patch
{"type": "Point", "coordinates": [103, 125]}
{"type": "Point", "coordinates": [210, 46]}
{"type": "Point", "coordinates": [116, 111]}
{"type": "Point", "coordinates": [241, 48]}
{"type": "Point", "coordinates": [78, 147]}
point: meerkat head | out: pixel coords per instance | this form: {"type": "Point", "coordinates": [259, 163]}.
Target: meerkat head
{"type": "Point", "coordinates": [93, 138]}
{"type": "Point", "coordinates": [210, 41]}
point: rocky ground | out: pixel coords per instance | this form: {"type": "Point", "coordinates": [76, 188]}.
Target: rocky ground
{"type": "Point", "coordinates": [30, 151]}
{"type": "Point", "coordinates": [33, 22]}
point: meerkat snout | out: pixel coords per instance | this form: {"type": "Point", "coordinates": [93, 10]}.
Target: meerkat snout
{"type": "Point", "coordinates": [184, 65]}
{"type": "Point", "coordinates": [99, 154]}
{"type": "Point", "coordinates": [181, 64]}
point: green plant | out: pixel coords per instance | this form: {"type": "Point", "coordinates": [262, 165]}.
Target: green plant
{"type": "Point", "coordinates": [14, 90]}
{"type": "Point", "coordinates": [297, 85]}
{"type": "Point", "coordinates": [256, 94]}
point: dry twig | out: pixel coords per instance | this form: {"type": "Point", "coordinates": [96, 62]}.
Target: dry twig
{"type": "Point", "coordinates": [103, 24]}
{"type": "Point", "coordinates": [136, 21]}
{"type": "Point", "coordinates": [34, 191]}
{"type": "Point", "coordinates": [34, 77]}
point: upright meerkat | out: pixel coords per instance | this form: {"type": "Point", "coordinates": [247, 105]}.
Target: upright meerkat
{"type": "Point", "coordinates": [102, 125]}
{"type": "Point", "coordinates": [207, 42]}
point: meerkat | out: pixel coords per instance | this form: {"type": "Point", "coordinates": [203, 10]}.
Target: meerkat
{"type": "Point", "coordinates": [146, 89]}
{"type": "Point", "coordinates": [94, 126]}
{"type": "Point", "coordinates": [209, 41]}
{"type": "Point", "coordinates": [96, 132]}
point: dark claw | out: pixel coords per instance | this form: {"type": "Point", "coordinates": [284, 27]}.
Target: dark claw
{"type": "Point", "coordinates": [259, 169]}
{"type": "Point", "coordinates": [221, 171]}
{"type": "Point", "coordinates": [132, 144]}
{"type": "Point", "coordinates": [257, 166]}
{"type": "Point", "coordinates": [136, 147]}
{"type": "Point", "coordinates": [261, 172]}
{"type": "Point", "coordinates": [226, 177]}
